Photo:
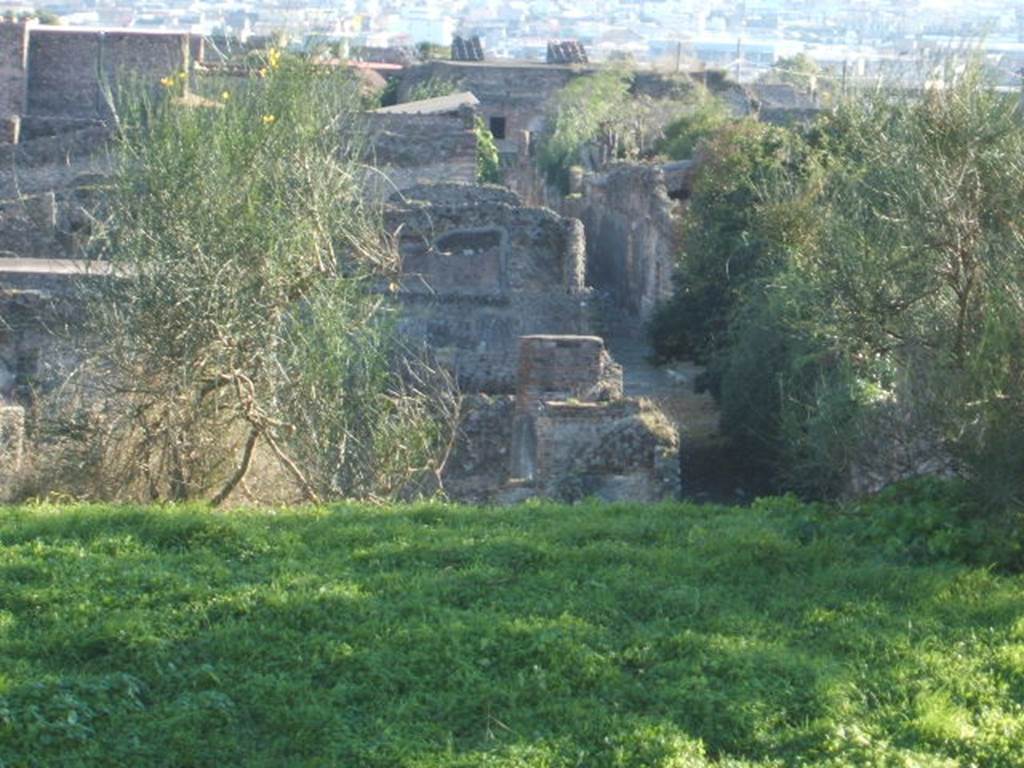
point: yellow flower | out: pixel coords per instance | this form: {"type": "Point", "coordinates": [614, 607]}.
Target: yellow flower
{"type": "Point", "coordinates": [225, 96]}
{"type": "Point", "coordinates": [273, 58]}
{"type": "Point", "coordinates": [167, 82]}
{"type": "Point", "coordinates": [262, 72]}
{"type": "Point", "coordinates": [182, 76]}
{"type": "Point", "coordinates": [268, 119]}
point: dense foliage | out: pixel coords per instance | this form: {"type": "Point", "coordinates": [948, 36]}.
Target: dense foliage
{"type": "Point", "coordinates": [488, 161]}
{"type": "Point", "coordinates": [246, 318]}
{"type": "Point", "coordinates": [603, 116]}
{"type": "Point", "coordinates": [704, 116]}
{"type": "Point", "coordinates": [856, 288]}
{"type": "Point", "coordinates": [625, 636]}
{"type": "Point", "coordinates": [585, 120]}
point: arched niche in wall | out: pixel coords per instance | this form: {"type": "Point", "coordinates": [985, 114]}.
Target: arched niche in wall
{"type": "Point", "coordinates": [461, 262]}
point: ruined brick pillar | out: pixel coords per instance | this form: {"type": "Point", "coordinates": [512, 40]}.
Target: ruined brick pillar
{"type": "Point", "coordinates": [574, 268]}
{"type": "Point", "coordinates": [13, 77]}
{"type": "Point", "coordinates": [556, 369]}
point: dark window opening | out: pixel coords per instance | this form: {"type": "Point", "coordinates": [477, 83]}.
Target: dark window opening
{"type": "Point", "coordinates": [498, 127]}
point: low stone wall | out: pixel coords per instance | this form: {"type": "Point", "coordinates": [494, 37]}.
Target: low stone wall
{"type": "Point", "coordinates": [49, 225]}
{"type": "Point", "coordinates": [479, 463]}
{"type": "Point", "coordinates": [63, 147]}
{"type": "Point", "coordinates": [410, 150]}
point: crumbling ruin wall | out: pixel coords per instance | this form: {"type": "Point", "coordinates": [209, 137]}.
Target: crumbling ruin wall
{"type": "Point", "coordinates": [618, 451]}
{"type": "Point", "coordinates": [409, 150]}
{"type": "Point", "coordinates": [69, 69]}
{"type": "Point", "coordinates": [49, 225]}
{"type": "Point", "coordinates": [632, 229]}
{"type": "Point", "coordinates": [480, 270]}
{"type": "Point", "coordinates": [28, 322]}
{"type": "Point", "coordinates": [567, 433]}
{"type": "Point", "coordinates": [37, 312]}
{"type": "Point", "coordinates": [55, 79]}
{"type": "Point", "coordinates": [479, 464]}
{"type": "Point", "coordinates": [54, 146]}
{"type": "Point", "coordinates": [13, 78]}
{"type": "Point", "coordinates": [575, 434]}
{"type": "Point", "coordinates": [513, 95]}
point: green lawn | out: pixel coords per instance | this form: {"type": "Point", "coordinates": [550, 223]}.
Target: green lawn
{"type": "Point", "coordinates": [534, 636]}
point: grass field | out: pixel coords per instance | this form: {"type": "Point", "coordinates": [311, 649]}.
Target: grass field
{"type": "Point", "coordinates": [535, 636]}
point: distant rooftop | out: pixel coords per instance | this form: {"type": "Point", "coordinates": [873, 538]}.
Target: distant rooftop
{"type": "Point", "coordinates": [436, 106]}
{"type": "Point", "coordinates": [467, 49]}
{"type": "Point", "coordinates": [567, 52]}
{"type": "Point", "coordinates": [48, 28]}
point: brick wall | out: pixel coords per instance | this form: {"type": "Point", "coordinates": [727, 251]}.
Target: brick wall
{"type": "Point", "coordinates": [410, 150]}
{"type": "Point", "coordinates": [13, 74]}
{"type": "Point", "coordinates": [559, 368]}
{"type": "Point", "coordinates": [480, 270]}
{"type": "Point", "coordinates": [69, 69]}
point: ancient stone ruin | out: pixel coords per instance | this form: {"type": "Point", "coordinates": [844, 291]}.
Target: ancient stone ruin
{"type": "Point", "coordinates": [500, 291]}
{"type": "Point", "coordinates": [497, 290]}
{"type": "Point", "coordinates": [567, 433]}
{"type": "Point", "coordinates": [55, 79]}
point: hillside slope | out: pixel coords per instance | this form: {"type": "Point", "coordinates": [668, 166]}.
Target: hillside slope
{"type": "Point", "coordinates": [432, 635]}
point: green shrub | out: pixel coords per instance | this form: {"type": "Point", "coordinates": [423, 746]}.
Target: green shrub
{"type": "Point", "coordinates": [703, 120]}
{"type": "Point", "coordinates": [488, 161]}
{"type": "Point", "coordinates": [246, 318]}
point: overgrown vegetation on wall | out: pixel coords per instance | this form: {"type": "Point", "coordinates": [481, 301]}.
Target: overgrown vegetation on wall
{"type": "Point", "coordinates": [598, 118]}
{"type": "Point", "coordinates": [704, 116]}
{"type": "Point", "coordinates": [488, 161]}
{"type": "Point", "coordinates": [858, 291]}
{"type": "Point", "coordinates": [246, 318]}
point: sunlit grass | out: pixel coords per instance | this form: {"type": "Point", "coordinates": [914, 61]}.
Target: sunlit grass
{"type": "Point", "coordinates": [542, 635]}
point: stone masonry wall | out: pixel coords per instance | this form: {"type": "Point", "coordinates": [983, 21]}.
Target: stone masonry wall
{"type": "Point", "coordinates": [419, 149]}
{"type": "Point", "coordinates": [13, 74]}
{"type": "Point", "coordinates": [48, 225]}
{"type": "Point", "coordinates": [517, 92]}
{"type": "Point", "coordinates": [24, 341]}
{"type": "Point", "coordinates": [575, 434]}
{"type": "Point", "coordinates": [568, 432]}
{"type": "Point", "coordinates": [480, 270]}
{"type": "Point", "coordinates": [632, 231]}
{"type": "Point", "coordinates": [68, 69]}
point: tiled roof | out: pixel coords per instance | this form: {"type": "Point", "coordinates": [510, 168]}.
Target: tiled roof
{"type": "Point", "coordinates": [436, 106]}
{"type": "Point", "coordinates": [467, 49]}
{"type": "Point", "coordinates": [567, 52]}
